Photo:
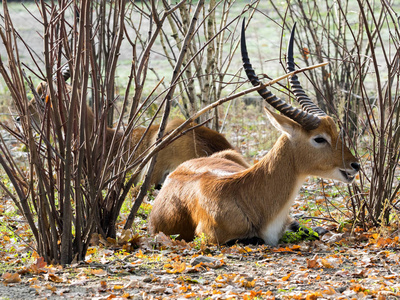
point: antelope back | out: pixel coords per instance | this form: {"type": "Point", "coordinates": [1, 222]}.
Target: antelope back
{"type": "Point", "coordinates": [199, 142]}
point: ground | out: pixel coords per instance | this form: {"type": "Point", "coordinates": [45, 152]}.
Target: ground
{"type": "Point", "coordinates": [310, 270]}
{"type": "Point", "coordinates": [350, 264]}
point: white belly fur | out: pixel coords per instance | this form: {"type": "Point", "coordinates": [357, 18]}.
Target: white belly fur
{"type": "Point", "coordinates": [274, 229]}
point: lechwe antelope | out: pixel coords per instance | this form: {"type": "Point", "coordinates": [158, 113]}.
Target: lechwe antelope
{"type": "Point", "coordinates": [226, 201]}
{"type": "Point", "coordinates": [198, 142]}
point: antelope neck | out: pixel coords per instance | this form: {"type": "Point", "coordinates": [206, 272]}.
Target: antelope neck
{"type": "Point", "coordinates": [269, 199]}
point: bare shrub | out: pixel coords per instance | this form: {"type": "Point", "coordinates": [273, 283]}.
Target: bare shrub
{"type": "Point", "coordinates": [78, 173]}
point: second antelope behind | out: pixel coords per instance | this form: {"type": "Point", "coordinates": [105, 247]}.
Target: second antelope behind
{"type": "Point", "coordinates": [223, 199]}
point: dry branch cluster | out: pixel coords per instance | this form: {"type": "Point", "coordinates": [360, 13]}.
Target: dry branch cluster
{"type": "Point", "coordinates": [80, 171]}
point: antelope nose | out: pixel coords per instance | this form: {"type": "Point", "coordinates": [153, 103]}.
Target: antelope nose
{"type": "Point", "coordinates": [355, 166]}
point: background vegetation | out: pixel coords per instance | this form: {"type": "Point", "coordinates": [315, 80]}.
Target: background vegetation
{"type": "Point", "coordinates": [136, 64]}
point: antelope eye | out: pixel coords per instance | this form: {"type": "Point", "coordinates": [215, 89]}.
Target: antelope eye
{"type": "Point", "coordinates": [320, 140]}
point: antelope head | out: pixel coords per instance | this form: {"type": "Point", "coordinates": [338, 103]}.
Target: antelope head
{"type": "Point", "coordinates": [36, 106]}
{"type": "Point", "coordinates": [314, 132]}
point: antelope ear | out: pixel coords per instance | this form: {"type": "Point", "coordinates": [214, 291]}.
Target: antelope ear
{"type": "Point", "coordinates": [283, 123]}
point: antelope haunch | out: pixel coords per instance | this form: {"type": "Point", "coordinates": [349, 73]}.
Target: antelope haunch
{"type": "Point", "coordinates": [226, 201]}
{"type": "Point", "coordinates": [198, 142]}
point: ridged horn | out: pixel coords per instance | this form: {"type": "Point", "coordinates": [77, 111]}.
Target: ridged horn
{"type": "Point", "coordinates": [306, 120]}
{"type": "Point", "coordinates": [301, 97]}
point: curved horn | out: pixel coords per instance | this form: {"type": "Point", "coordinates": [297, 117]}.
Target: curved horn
{"type": "Point", "coordinates": [305, 101]}
{"type": "Point", "coordinates": [306, 120]}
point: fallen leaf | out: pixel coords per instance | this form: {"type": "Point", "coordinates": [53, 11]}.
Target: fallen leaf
{"type": "Point", "coordinates": [51, 288]}
{"type": "Point", "coordinates": [11, 277]}
{"type": "Point", "coordinates": [254, 294]}
{"type": "Point", "coordinates": [326, 264]}
{"type": "Point", "coordinates": [329, 291]}
{"type": "Point", "coordinates": [140, 254]}
{"type": "Point", "coordinates": [358, 288]}
{"type": "Point", "coordinates": [91, 250]}
{"type": "Point", "coordinates": [176, 267]}
{"type": "Point", "coordinates": [39, 266]}
{"type": "Point", "coordinates": [164, 240]}
{"type": "Point", "coordinates": [118, 287]}
{"type": "Point", "coordinates": [285, 278]}
{"type": "Point", "coordinates": [55, 278]}
{"type": "Point", "coordinates": [313, 263]}
{"type": "Point", "coordinates": [313, 296]}
{"type": "Point", "coordinates": [99, 272]}
{"type": "Point", "coordinates": [295, 247]}
{"type": "Point", "coordinates": [247, 283]}
{"type": "Point", "coordinates": [103, 286]}
{"type": "Point", "coordinates": [360, 274]}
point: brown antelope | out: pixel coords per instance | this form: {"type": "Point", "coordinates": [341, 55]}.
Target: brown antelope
{"type": "Point", "coordinates": [199, 142]}
{"type": "Point", "coordinates": [226, 201]}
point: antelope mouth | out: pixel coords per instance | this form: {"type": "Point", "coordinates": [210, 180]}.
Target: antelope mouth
{"type": "Point", "coordinates": [348, 176]}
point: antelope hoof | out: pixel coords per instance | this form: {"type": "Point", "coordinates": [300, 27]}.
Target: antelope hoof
{"type": "Point", "coordinates": [320, 230]}
{"type": "Point", "coordinates": [305, 232]}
